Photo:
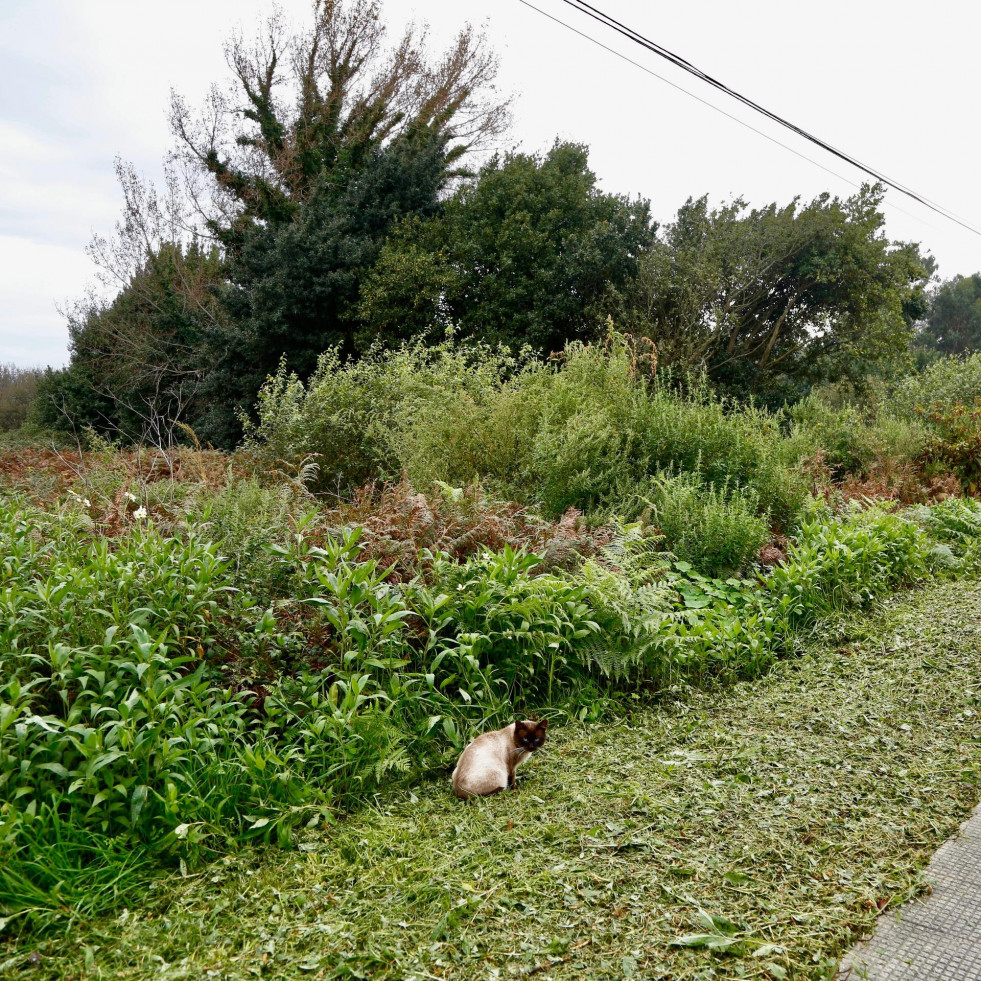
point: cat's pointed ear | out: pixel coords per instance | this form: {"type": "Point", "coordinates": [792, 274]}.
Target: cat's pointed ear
{"type": "Point", "coordinates": [543, 724]}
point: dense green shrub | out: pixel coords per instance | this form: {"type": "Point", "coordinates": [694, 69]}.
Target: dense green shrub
{"type": "Point", "coordinates": [948, 382]}
{"type": "Point", "coordinates": [245, 517]}
{"type": "Point", "coordinates": [524, 624]}
{"type": "Point", "coordinates": [955, 443]}
{"type": "Point", "coordinates": [734, 628]}
{"type": "Point", "coordinates": [114, 718]}
{"type": "Point", "coordinates": [739, 446]}
{"type": "Point", "coordinates": [587, 432]}
{"type": "Point", "coordinates": [853, 437]}
{"type": "Point", "coordinates": [376, 417]}
{"type": "Point", "coordinates": [716, 529]}
{"type": "Point", "coordinates": [955, 525]}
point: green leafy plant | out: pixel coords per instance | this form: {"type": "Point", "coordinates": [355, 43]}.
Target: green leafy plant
{"type": "Point", "coordinates": [587, 432]}
{"type": "Point", "coordinates": [718, 530]}
{"type": "Point", "coordinates": [154, 709]}
{"type": "Point", "coordinates": [955, 445]}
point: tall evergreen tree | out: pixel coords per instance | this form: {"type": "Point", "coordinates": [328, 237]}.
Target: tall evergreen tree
{"type": "Point", "coordinates": [294, 285]}
{"type": "Point", "coordinates": [312, 108]}
{"type": "Point", "coordinates": [523, 254]}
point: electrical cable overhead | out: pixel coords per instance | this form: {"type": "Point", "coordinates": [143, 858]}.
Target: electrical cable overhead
{"type": "Point", "coordinates": [714, 107]}
{"type": "Point", "coordinates": [688, 92]}
{"type": "Point", "coordinates": [606, 20]}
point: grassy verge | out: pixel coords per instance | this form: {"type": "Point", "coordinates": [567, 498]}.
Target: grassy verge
{"type": "Point", "coordinates": [749, 834]}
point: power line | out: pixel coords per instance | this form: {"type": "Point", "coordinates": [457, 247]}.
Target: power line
{"type": "Point", "coordinates": [713, 106]}
{"type": "Point", "coordinates": [687, 66]}
{"type": "Point", "coordinates": [636, 37]}
{"type": "Point", "coordinates": [688, 92]}
{"type": "Point", "coordinates": [583, 7]}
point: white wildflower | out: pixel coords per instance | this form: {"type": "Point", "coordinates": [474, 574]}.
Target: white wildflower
{"type": "Point", "coordinates": [86, 502]}
{"type": "Point", "coordinates": [140, 512]}
{"type": "Point", "coordinates": [130, 497]}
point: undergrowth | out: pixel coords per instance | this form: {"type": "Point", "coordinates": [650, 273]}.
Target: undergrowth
{"type": "Point", "coordinates": [586, 432]}
{"type": "Point", "coordinates": [756, 832]}
{"type": "Point", "coordinates": [165, 698]}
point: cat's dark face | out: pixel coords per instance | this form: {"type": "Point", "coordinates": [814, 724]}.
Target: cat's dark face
{"type": "Point", "coordinates": [530, 735]}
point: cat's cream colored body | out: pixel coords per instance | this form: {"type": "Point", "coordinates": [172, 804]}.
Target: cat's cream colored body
{"type": "Point", "coordinates": [488, 763]}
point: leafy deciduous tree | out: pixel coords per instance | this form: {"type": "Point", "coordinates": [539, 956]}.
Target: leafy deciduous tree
{"type": "Point", "coordinates": [295, 171]}
{"type": "Point", "coordinates": [795, 292]}
{"type": "Point", "coordinates": [139, 358]}
{"type": "Point", "coordinates": [953, 323]}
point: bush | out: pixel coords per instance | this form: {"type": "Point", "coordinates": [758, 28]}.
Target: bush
{"type": "Point", "coordinates": [385, 415]}
{"type": "Point", "coordinates": [584, 433]}
{"type": "Point", "coordinates": [717, 530]}
{"type": "Point", "coordinates": [734, 628]}
{"type": "Point", "coordinates": [588, 447]}
{"type": "Point", "coordinates": [114, 718]}
{"type": "Point", "coordinates": [949, 381]}
{"type": "Point", "coordinates": [244, 518]}
{"type": "Point", "coordinates": [953, 520]}
{"type": "Point", "coordinates": [956, 527]}
{"type": "Point", "coordinates": [741, 447]}
{"type": "Point", "coordinates": [853, 439]}
{"type": "Point", "coordinates": [955, 444]}
{"type": "Point", "coordinates": [523, 624]}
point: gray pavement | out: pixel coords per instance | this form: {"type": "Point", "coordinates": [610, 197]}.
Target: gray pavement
{"type": "Point", "coordinates": [938, 937]}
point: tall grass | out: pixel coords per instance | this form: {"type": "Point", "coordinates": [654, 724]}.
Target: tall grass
{"type": "Point", "coordinates": [587, 432]}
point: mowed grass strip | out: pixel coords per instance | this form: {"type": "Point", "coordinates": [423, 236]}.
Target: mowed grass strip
{"type": "Point", "coordinates": [754, 833]}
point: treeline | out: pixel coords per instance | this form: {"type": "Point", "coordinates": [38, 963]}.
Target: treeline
{"type": "Point", "coordinates": [327, 198]}
{"type": "Point", "coordinates": [18, 391]}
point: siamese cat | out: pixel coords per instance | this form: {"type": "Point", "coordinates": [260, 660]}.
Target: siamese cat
{"type": "Point", "coordinates": [488, 763]}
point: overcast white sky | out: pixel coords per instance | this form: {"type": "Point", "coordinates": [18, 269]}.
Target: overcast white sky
{"type": "Point", "coordinates": [894, 84]}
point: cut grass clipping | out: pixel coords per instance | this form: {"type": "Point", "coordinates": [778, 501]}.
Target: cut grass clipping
{"type": "Point", "coordinates": [752, 834]}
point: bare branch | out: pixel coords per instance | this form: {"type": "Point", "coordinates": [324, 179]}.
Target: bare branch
{"type": "Point", "coordinates": [295, 104]}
